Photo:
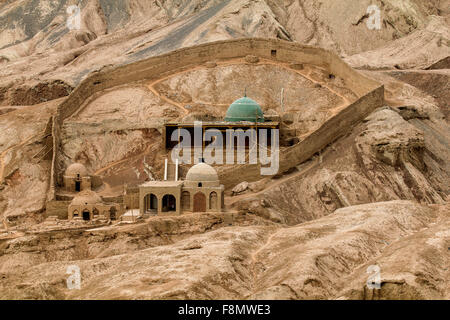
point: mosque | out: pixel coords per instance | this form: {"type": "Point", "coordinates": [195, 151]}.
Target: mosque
{"type": "Point", "coordinates": [243, 113]}
{"type": "Point", "coordinates": [201, 190]}
{"type": "Point", "coordinates": [87, 204]}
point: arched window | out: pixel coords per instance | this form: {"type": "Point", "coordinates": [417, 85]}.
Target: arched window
{"type": "Point", "coordinates": [150, 203]}
{"type": "Point", "coordinates": [86, 215]}
{"type": "Point", "coordinates": [186, 200]}
{"type": "Point", "coordinates": [169, 203]}
{"type": "Point", "coordinates": [213, 200]}
{"type": "Point", "coordinates": [112, 213]}
{"type": "Point", "coordinates": [75, 213]}
{"type": "Point", "coordinates": [95, 212]}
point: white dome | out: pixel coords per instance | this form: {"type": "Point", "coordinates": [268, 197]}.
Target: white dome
{"type": "Point", "coordinates": [76, 169]}
{"type": "Point", "coordinates": [86, 197]}
{"type": "Point", "coordinates": [202, 172]}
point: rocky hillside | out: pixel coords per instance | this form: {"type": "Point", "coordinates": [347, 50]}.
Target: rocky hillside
{"type": "Point", "coordinates": [377, 196]}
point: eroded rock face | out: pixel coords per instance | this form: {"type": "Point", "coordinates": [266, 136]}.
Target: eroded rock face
{"type": "Point", "coordinates": [385, 158]}
{"type": "Point", "coordinates": [378, 196]}
{"type": "Point", "coordinates": [241, 187]}
{"type": "Point", "coordinates": [312, 260]}
{"type": "Point", "coordinates": [315, 255]}
{"type": "Point", "coordinates": [392, 139]}
{"type": "Point", "coordinates": [25, 161]}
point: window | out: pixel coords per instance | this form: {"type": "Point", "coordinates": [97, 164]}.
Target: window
{"type": "Point", "coordinates": [169, 203]}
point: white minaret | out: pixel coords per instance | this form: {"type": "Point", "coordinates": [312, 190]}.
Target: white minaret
{"type": "Point", "coordinates": [165, 169]}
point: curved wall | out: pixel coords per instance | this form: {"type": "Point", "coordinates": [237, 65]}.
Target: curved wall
{"type": "Point", "coordinates": [175, 61]}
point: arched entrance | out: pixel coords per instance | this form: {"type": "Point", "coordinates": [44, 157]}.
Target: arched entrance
{"type": "Point", "coordinates": [112, 213]}
{"type": "Point", "coordinates": [86, 215]}
{"type": "Point", "coordinates": [150, 203]}
{"type": "Point", "coordinates": [213, 200]}
{"type": "Point", "coordinates": [199, 202]}
{"type": "Point", "coordinates": [169, 203]}
{"type": "Point", "coordinates": [186, 200]}
{"type": "Point", "coordinates": [78, 183]}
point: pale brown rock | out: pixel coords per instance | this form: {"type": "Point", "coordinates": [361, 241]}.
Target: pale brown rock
{"type": "Point", "coordinates": [376, 195]}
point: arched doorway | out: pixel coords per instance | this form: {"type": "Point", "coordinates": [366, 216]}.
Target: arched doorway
{"type": "Point", "coordinates": [186, 200]}
{"type": "Point", "coordinates": [78, 183]}
{"type": "Point", "coordinates": [150, 203]}
{"type": "Point", "coordinates": [169, 203]}
{"type": "Point", "coordinates": [213, 200]}
{"type": "Point", "coordinates": [222, 205]}
{"type": "Point", "coordinates": [86, 215]}
{"type": "Point", "coordinates": [112, 213]}
{"type": "Point", "coordinates": [199, 202]}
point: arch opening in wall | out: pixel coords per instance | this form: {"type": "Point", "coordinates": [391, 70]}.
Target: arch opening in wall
{"type": "Point", "coordinates": [213, 200]}
{"type": "Point", "coordinates": [77, 185]}
{"type": "Point", "coordinates": [75, 213]}
{"type": "Point", "coordinates": [150, 203]}
{"type": "Point", "coordinates": [112, 213]}
{"type": "Point", "coordinates": [169, 203]}
{"type": "Point", "coordinates": [86, 215]}
{"type": "Point", "coordinates": [186, 200]}
{"type": "Point", "coordinates": [95, 212]}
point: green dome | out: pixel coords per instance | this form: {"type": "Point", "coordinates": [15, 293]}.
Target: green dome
{"type": "Point", "coordinates": [245, 109]}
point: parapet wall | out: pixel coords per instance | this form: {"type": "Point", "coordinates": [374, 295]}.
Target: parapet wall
{"type": "Point", "coordinates": [178, 60]}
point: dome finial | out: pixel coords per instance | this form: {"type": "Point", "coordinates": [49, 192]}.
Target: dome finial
{"type": "Point", "coordinates": [245, 92]}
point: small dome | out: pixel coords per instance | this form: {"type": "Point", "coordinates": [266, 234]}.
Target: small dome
{"type": "Point", "coordinates": [86, 197]}
{"type": "Point", "coordinates": [202, 172]}
{"type": "Point", "coordinates": [76, 169]}
{"type": "Point", "coordinates": [245, 109]}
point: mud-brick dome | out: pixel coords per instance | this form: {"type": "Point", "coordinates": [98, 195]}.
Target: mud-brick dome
{"type": "Point", "coordinates": [202, 173]}
{"type": "Point", "coordinates": [244, 109]}
{"type": "Point", "coordinates": [76, 169]}
{"type": "Point", "coordinates": [86, 197]}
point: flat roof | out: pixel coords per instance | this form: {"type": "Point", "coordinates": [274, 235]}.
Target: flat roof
{"type": "Point", "coordinates": [166, 183]}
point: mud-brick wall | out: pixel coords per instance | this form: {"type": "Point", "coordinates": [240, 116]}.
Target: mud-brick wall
{"type": "Point", "coordinates": [131, 198]}
{"type": "Point", "coordinates": [331, 130]}
{"type": "Point", "coordinates": [57, 208]}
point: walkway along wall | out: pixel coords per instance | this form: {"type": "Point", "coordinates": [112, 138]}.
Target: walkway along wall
{"type": "Point", "coordinates": [178, 60]}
